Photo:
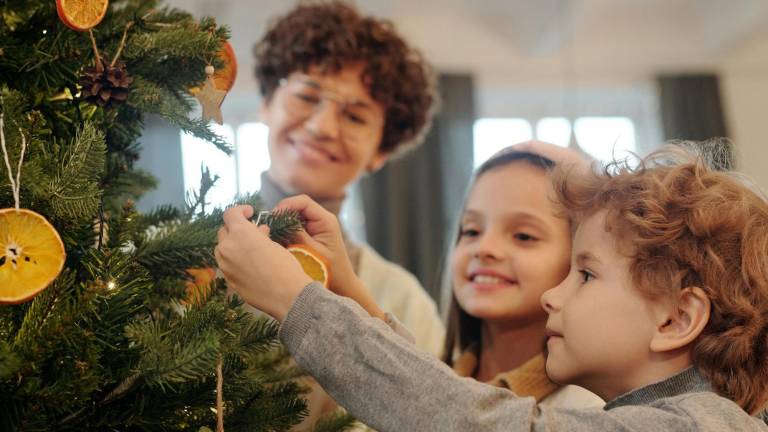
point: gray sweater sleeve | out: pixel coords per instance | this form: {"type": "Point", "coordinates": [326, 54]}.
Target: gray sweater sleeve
{"type": "Point", "coordinates": [385, 382]}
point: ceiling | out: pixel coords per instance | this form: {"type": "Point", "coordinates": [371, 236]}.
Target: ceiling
{"type": "Point", "coordinates": [536, 42]}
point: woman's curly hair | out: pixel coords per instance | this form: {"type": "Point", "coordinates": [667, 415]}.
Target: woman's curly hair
{"type": "Point", "coordinates": [330, 35]}
{"type": "Point", "coordinates": [688, 225]}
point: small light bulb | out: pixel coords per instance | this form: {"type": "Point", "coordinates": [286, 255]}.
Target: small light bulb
{"type": "Point", "coordinates": [45, 31]}
{"type": "Point", "coordinates": [111, 285]}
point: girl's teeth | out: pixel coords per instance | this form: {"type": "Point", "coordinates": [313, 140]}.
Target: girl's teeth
{"type": "Point", "coordinates": [485, 279]}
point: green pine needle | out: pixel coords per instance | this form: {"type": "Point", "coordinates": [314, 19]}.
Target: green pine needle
{"type": "Point", "coordinates": [283, 225]}
{"type": "Point", "coordinates": [338, 420]}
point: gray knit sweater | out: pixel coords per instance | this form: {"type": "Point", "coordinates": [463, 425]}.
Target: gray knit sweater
{"type": "Point", "coordinates": [388, 384]}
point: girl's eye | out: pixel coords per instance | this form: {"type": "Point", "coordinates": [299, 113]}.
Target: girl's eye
{"type": "Point", "coordinates": [586, 276]}
{"type": "Point", "coordinates": [468, 232]}
{"type": "Point", "coordinates": [525, 237]}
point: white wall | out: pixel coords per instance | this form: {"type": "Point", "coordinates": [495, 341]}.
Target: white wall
{"type": "Point", "coordinates": [745, 94]}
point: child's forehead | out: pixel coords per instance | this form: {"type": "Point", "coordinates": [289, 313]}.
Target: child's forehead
{"type": "Point", "coordinates": [599, 234]}
{"type": "Point", "coordinates": [515, 185]}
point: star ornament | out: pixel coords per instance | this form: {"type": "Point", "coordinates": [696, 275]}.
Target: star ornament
{"type": "Point", "coordinates": [210, 99]}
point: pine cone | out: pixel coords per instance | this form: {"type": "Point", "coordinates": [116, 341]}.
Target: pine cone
{"type": "Point", "coordinates": [106, 86]}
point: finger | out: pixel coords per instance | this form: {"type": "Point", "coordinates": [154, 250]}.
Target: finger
{"type": "Point", "coordinates": [303, 238]}
{"type": "Point", "coordinates": [264, 229]}
{"type": "Point", "coordinates": [221, 234]}
{"type": "Point", "coordinates": [309, 209]}
{"type": "Point", "coordinates": [237, 216]}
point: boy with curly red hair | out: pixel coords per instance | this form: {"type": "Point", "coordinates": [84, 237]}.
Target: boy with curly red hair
{"type": "Point", "coordinates": [664, 313]}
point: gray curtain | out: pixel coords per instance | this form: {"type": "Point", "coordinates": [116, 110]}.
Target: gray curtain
{"type": "Point", "coordinates": [691, 109]}
{"type": "Point", "coordinates": [412, 203]}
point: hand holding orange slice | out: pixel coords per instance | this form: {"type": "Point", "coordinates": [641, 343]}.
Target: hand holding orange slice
{"type": "Point", "coordinates": [314, 264]}
{"type": "Point", "coordinates": [81, 15]}
{"type": "Point", "coordinates": [31, 255]}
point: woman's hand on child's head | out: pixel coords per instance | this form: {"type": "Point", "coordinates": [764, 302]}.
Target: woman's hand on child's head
{"type": "Point", "coordinates": [261, 271]}
{"type": "Point", "coordinates": [561, 156]}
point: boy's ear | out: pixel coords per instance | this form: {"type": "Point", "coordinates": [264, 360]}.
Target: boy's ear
{"type": "Point", "coordinates": [377, 161]}
{"type": "Point", "coordinates": [683, 322]}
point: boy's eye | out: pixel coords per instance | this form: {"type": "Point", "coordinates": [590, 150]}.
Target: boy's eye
{"type": "Point", "coordinates": [308, 98]}
{"type": "Point", "coordinates": [355, 118]}
{"type": "Point", "coordinates": [469, 232]}
{"type": "Point", "coordinates": [586, 276]}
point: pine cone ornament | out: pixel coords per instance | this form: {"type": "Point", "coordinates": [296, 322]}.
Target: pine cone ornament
{"type": "Point", "coordinates": [105, 85]}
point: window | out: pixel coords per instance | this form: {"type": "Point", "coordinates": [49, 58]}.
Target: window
{"type": "Point", "coordinates": [239, 173]}
{"type": "Point", "coordinates": [555, 130]}
{"type": "Point", "coordinates": [493, 134]}
{"type": "Point", "coordinates": [252, 156]}
{"type": "Point", "coordinates": [604, 138]}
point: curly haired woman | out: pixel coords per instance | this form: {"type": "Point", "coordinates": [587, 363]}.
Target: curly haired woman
{"type": "Point", "coordinates": [342, 94]}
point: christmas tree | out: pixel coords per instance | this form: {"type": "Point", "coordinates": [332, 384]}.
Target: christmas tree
{"type": "Point", "coordinates": [118, 322]}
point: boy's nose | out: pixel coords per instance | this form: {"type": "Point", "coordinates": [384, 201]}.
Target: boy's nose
{"type": "Point", "coordinates": [550, 300]}
{"type": "Point", "coordinates": [324, 121]}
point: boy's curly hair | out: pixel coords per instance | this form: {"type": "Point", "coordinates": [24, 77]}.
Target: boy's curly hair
{"type": "Point", "coordinates": [331, 35]}
{"type": "Point", "coordinates": [688, 225]}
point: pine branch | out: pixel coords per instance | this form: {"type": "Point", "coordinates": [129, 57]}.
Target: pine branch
{"type": "Point", "coordinates": [195, 201]}
{"type": "Point", "coordinates": [338, 420]}
{"type": "Point", "coordinates": [105, 347]}
{"type": "Point", "coordinates": [10, 363]}
{"type": "Point", "coordinates": [74, 191]}
{"type": "Point", "coordinates": [158, 216]}
{"type": "Point", "coordinates": [283, 224]}
{"type": "Point", "coordinates": [174, 106]}
{"type": "Point", "coordinates": [166, 364]}
{"type": "Point", "coordinates": [177, 248]}
{"type": "Point", "coordinates": [279, 410]}
{"type": "Point", "coordinates": [176, 41]}
{"type": "Point", "coordinates": [43, 310]}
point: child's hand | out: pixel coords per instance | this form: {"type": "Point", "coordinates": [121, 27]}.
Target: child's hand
{"type": "Point", "coordinates": [261, 271]}
{"type": "Point", "coordinates": [323, 234]}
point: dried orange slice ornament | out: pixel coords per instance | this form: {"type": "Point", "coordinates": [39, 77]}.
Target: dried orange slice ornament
{"type": "Point", "coordinates": [314, 264]}
{"type": "Point", "coordinates": [199, 287]}
{"type": "Point", "coordinates": [81, 15]}
{"type": "Point", "coordinates": [31, 255]}
{"type": "Point", "coordinates": [223, 78]}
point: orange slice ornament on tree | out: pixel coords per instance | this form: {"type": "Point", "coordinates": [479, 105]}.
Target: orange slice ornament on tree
{"type": "Point", "coordinates": [223, 78]}
{"type": "Point", "coordinates": [31, 255]}
{"type": "Point", "coordinates": [314, 264]}
{"type": "Point", "coordinates": [81, 15]}
{"type": "Point", "coordinates": [198, 288]}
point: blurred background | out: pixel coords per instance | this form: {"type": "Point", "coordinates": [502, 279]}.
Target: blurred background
{"type": "Point", "coordinates": [607, 75]}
